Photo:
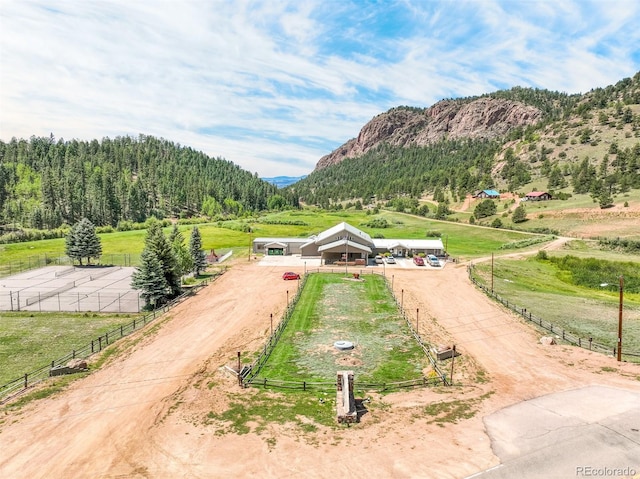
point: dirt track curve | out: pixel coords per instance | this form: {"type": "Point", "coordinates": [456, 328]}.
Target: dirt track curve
{"type": "Point", "coordinates": [142, 415]}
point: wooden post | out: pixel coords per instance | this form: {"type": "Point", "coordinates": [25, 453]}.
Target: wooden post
{"type": "Point", "coordinates": [418, 321]}
{"type": "Point", "coordinates": [402, 300]}
{"type": "Point", "coordinates": [453, 358]}
{"type": "Point", "coordinates": [271, 324]}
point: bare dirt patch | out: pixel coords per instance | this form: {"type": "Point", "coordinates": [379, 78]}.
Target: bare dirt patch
{"type": "Point", "coordinates": [145, 415]}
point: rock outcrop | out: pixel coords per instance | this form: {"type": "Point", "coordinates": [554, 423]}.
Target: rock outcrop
{"type": "Point", "coordinates": [481, 118]}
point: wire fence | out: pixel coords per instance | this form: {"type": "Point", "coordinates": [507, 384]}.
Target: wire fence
{"type": "Point", "coordinates": [249, 375]}
{"type": "Point", "coordinates": [16, 387]}
{"type": "Point", "coordinates": [567, 336]}
{"type": "Point", "coordinates": [40, 261]}
{"type": "Point", "coordinates": [59, 300]}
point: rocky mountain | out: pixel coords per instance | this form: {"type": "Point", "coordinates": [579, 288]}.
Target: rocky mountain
{"type": "Point", "coordinates": [479, 118]}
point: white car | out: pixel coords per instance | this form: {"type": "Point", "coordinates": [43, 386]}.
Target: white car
{"type": "Point", "coordinates": [390, 260]}
{"type": "Point", "coordinates": [378, 259]}
{"type": "Point", "coordinates": [433, 260]}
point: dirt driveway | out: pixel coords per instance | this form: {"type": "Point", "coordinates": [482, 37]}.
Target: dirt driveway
{"type": "Point", "coordinates": [142, 415]}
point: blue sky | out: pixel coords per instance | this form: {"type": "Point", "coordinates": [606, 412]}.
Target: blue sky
{"type": "Point", "coordinates": [274, 85]}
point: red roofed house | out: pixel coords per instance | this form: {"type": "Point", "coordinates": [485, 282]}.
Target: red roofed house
{"type": "Point", "coordinates": [538, 196]}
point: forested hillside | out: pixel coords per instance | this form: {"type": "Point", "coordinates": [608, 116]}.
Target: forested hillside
{"type": "Point", "coordinates": [45, 183]}
{"type": "Point", "coordinates": [578, 144]}
{"type": "Point", "coordinates": [389, 171]}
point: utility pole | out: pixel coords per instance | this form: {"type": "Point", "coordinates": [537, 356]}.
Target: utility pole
{"type": "Point", "coordinates": [620, 319]}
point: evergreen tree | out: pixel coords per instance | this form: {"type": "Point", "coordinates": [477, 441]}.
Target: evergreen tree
{"type": "Point", "coordinates": [519, 214]}
{"type": "Point", "coordinates": [195, 249]}
{"type": "Point", "coordinates": [83, 242]}
{"type": "Point", "coordinates": [183, 256]}
{"type": "Point", "coordinates": [157, 242]}
{"type": "Point", "coordinates": [484, 209]}
{"type": "Point", "coordinates": [150, 278]}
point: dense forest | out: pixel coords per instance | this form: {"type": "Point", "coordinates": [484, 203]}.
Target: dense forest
{"type": "Point", "coordinates": [524, 154]}
{"type": "Point", "coordinates": [46, 183]}
{"type": "Point", "coordinates": [389, 171]}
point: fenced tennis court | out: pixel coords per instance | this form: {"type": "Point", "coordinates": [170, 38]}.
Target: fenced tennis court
{"type": "Point", "coordinates": [71, 288]}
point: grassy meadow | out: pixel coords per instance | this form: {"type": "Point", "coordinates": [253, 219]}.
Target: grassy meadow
{"type": "Point", "coordinates": [463, 241]}
{"type": "Point", "coordinates": [29, 341]}
{"type": "Point", "coordinates": [551, 293]}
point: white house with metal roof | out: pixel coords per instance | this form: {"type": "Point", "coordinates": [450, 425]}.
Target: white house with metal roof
{"type": "Point", "coordinates": [344, 242]}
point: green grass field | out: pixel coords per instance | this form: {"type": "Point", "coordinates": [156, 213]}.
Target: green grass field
{"type": "Point", "coordinates": [29, 341]}
{"type": "Point", "coordinates": [333, 307]}
{"type": "Point", "coordinates": [463, 241]}
{"type": "Point", "coordinates": [546, 292]}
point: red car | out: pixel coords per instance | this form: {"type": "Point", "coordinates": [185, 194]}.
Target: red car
{"type": "Point", "coordinates": [418, 261]}
{"type": "Point", "coordinates": [290, 275]}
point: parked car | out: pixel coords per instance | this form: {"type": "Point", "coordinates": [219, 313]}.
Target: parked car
{"type": "Point", "coordinates": [418, 261]}
{"type": "Point", "coordinates": [433, 260]}
{"type": "Point", "coordinates": [290, 275]}
{"type": "Point", "coordinates": [378, 259]}
{"type": "Point", "coordinates": [390, 260]}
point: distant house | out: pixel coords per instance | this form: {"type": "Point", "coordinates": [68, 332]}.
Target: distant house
{"type": "Point", "coordinates": [492, 194]}
{"type": "Point", "coordinates": [538, 196]}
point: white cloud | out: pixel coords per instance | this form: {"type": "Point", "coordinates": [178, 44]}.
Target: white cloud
{"type": "Point", "coordinates": [273, 86]}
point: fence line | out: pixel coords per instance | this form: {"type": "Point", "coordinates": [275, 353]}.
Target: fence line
{"type": "Point", "coordinates": [40, 261]}
{"type": "Point", "coordinates": [19, 385]}
{"type": "Point", "coordinates": [248, 374]}
{"type": "Point", "coordinates": [61, 300]}
{"type": "Point", "coordinates": [586, 343]}
{"type": "Point", "coordinates": [331, 386]}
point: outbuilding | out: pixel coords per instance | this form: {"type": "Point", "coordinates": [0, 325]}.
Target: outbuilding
{"type": "Point", "coordinates": [538, 196]}
{"type": "Point", "coordinates": [487, 194]}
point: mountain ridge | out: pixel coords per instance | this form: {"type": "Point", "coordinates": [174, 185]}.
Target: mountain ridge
{"type": "Point", "coordinates": [481, 118]}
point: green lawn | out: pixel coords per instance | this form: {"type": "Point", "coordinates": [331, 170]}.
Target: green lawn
{"type": "Point", "coordinates": [29, 341]}
{"type": "Point", "coordinates": [333, 307]}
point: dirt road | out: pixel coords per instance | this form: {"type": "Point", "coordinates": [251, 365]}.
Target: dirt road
{"type": "Point", "coordinates": [142, 415]}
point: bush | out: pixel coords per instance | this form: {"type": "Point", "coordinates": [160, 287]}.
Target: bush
{"type": "Point", "coordinates": [376, 223]}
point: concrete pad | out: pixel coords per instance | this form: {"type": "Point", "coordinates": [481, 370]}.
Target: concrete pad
{"type": "Point", "coordinates": [588, 432]}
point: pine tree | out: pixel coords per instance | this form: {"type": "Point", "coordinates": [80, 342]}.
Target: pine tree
{"type": "Point", "coordinates": [157, 242]}
{"type": "Point", "coordinates": [83, 242]}
{"type": "Point", "coordinates": [149, 278]}
{"type": "Point", "coordinates": [519, 214]}
{"type": "Point", "coordinates": [183, 256]}
{"type": "Point", "coordinates": [195, 249]}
